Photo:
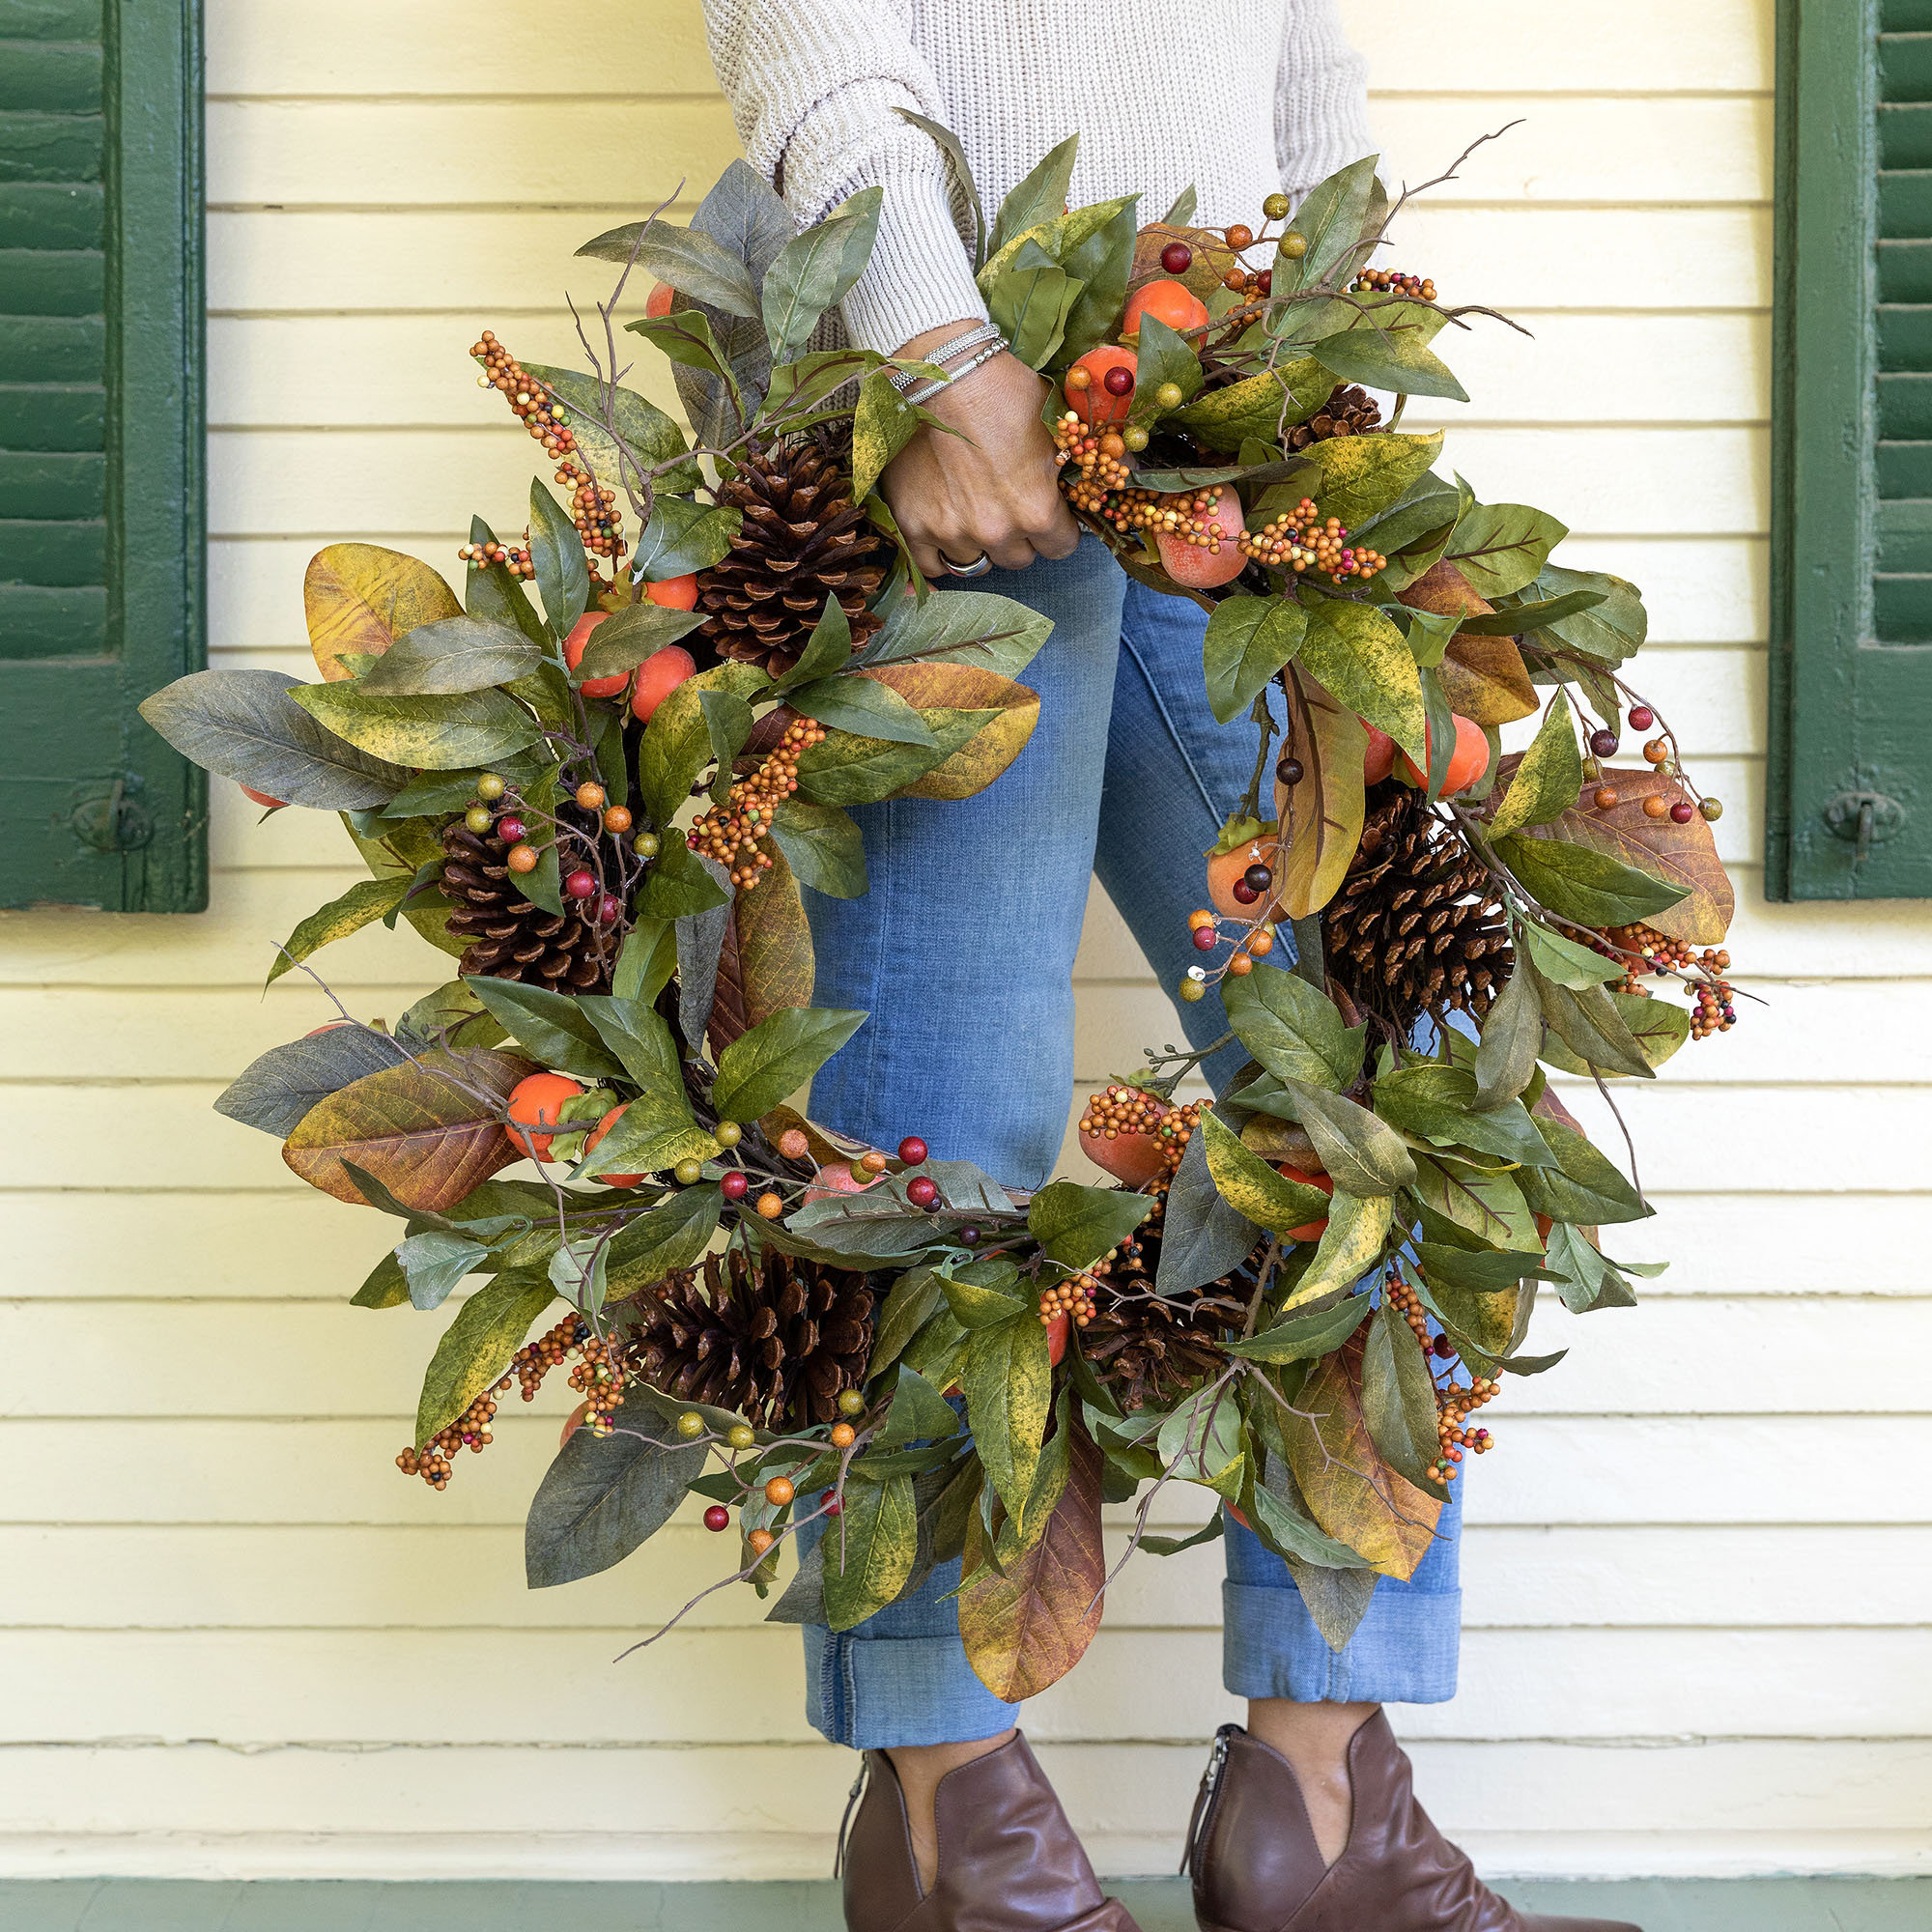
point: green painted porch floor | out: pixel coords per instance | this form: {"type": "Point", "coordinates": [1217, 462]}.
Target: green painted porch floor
{"type": "Point", "coordinates": [143, 1905]}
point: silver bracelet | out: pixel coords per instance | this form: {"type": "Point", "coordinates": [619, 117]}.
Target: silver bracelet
{"type": "Point", "coordinates": [975, 337]}
{"type": "Point", "coordinates": [928, 390]}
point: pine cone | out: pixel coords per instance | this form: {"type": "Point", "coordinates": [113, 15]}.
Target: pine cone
{"type": "Point", "coordinates": [1350, 411]}
{"type": "Point", "coordinates": [1149, 1349]}
{"type": "Point", "coordinates": [802, 540]}
{"type": "Point", "coordinates": [572, 951]}
{"type": "Point", "coordinates": [776, 1340]}
{"type": "Point", "coordinates": [1416, 928]}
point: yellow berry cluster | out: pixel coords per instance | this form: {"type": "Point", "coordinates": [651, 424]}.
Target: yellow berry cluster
{"type": "Point", "coordinates": [1454, 1406]}
{"type": "Point", "coordinates": [1305, 541]}
{"type": "Point", "coordinates": [1072, 1296]}
{"type": "Point", "coordinates": [516, 562]}
{"type": "Point", "coordinates": [729, 833]}
{"type": "Point", "coordinates": [1392, 283]}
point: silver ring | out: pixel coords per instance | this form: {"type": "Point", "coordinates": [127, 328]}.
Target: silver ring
{"type": "Point", "coordinates": [978, 567]}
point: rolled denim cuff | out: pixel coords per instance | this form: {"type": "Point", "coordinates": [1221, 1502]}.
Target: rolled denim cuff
{"type": "Point", "coordinates": [1404, 1652]}
{"type": "Point", "coordinates": [876, 1694]}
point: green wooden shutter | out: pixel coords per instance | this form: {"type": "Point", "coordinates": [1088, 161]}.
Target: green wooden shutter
{"type": "Point", "coordinates": [101, 421]}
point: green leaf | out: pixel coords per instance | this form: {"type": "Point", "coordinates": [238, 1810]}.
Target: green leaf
{"type": "Point", "coordinates": [647, 433]}
{"type": "Point", "coordinates": [882, 425]}
{"type": "Point", "coordinates": [467, 728]}
{"type": "Point", "coordinates": [918, 1413]}
{"type": "Point", "coordinates": [1364, 475]}
{"type": "Point", "coordinates": [855, 768]}
{"type": "Point", "coordinates": [250, 726]}
{"type": "Point", "coordinates": [1331, 217]}
{"type": "Point", "coordinates": [1579, 883]}
{"type": "Point", "coordinates": [959, 174]}
{"type": "Point", "coordinates": [916, 1297]}
{"type": "Point", "coordinates": [1398, 1401]}
{"type": "Point", "coordinates": [1512, 1039]}
{"type": "Point", "coordinates": [626, 637]}
{"type": "Point", "coordinates": [1609, 632]}
{"type": "Point", "coordinates": [1501, 547]}
{"type": "Point", "coordinates": [385, 1285]}
{"type": "Point", "coordinates": [362, 904]}
{"type": "Point", "coordinates": [434, 1261]}
{"type": "Point", "coordinates": [1586, 1278]}
{"type": "Point", "coordinates": [1249, 638]}
{"type": "Point", "coordinates": [1293, 1030]}
{"type": "Point", "coordinates": [676, 745]}
{"type": "Point", "coordinates": [1305, 1337]}
{"type": "Point", "coordinates": [1202, 1237]}
{"type": "Point", "coordinates": [437, 794]}
{"type": "Point", "coordinates": [556, 556]}
{"type": "Point", "coordinates": [1165, 356]}
{"type": "Point", "coordinates": [828, 649]}
{"type": "Point", "coordinates": [645, 961]}
{"type": "Point", "coordinates": [454, 654]}
{"type": "Point", "coordinates": [1356, 654]}
{"type": "Point", "coordinates": [1549, 777]}
{"type": "Point", "coordinates": [683, 536]}
{"type": "Point", "coordinates": [1257, 406]}
{"type": "Point", "coordinates": [864, 706]}
{"type": "Point", "coordinates": [1253, 1188]}
{"type": "Point", "coordinates": [604, 1495]}
{"type": "Point", "coordinates": [969, 627]}
{"type": "Point", "coordinates": [1361, 1154]}
{"type": "Point", "coordinates": [678, 885]}
{"type": "Point", "coordinates": [1584, 1186]}
{"type": "Point", "coordinates": [823, 846]}
{"type": "Point", "coordinates": [727, 724]}
{"type": "Point", "coordinates": [1030, 301]}
{"type": "Point", "coordinates": [1398, 360]}
{"type": "Point", "coordinates": [778, 1057]}
{"type": "Point", "coordinates": [688, 259]}
{"type": "Point", "coordinates": [280, 1086]}
{"type": "Point", "coordinates": [1101, 261]}
{"type": "Point", "coordinates": [553, 1025]}
{"type": "Point", "coordinates": [1435, 1102]}
{"type": "Point", "coordinates": [1516, 619]}
{"type": "Point", "coordinates": [869, 1550]}
{"type": "Point", "coordinates": [988, 1300]}
{"type": "Point", "coordinates": [476, 1348]}
{"type": "Point", "coordinates": [1558, 957]}
{"type": "Point", "coordinates": [817, 269]}
{"type": "Point", "coordinates": [1039, 198]}
{"type": "Point", "coordinates": [1357, 1232]}
{"type": "Point", "coordinates": [1659, 1028]}
{"type": "Point", "coordinates": [1075, 1225]}
{"type": "Point", "coordinates": [1009, 1385]}
{"type": "Point", "coordinates": [672, 1234]}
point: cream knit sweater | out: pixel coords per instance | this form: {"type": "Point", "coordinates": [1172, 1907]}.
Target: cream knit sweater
{"type": "Point", "coordinates": [1236, 97]}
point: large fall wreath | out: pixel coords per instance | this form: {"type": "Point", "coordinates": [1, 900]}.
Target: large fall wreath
{"type": "Point", "coordinates": [606, 806]}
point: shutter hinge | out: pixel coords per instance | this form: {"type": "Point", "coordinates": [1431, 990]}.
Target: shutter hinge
{"type": "Point", "coordinates": [113, 820]}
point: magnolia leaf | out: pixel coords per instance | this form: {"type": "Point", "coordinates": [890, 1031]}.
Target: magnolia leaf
{"type": "Point", "coordinates": [604, 1495]}
{"type": "Point", "coordinates": [1658, 1027]}
{"type": "Point", "coordinates": [1398, 1401]}
{"type": "Point", "coordinates": [476, 1348]}
{"type": "Point", "coordinates": [1557, 957]}
{"type": "Point", "coordinates": [1584, 1188]}
{"type": "Point", "coordinates": [1392, 356]}
{"type": "Point", "coordinates": [1588, 1022]}
{"type": "Point", "coordinates": [683, 536]}
{"type": "Point", "coordinates": [626, 637]}
{"type": "Point", "coordinates": [701, 945]}
{"type": "Point", "coordinates": [648, 435]}
{"type": "Point", "coordinates": [1099, 261]}
{"type": "Point", "coordinates": [676, 745]}
{"type": "Point", "coordinates": [465, 728]}
{"type": "Point", "coordinates": [554, 1027]}
{"type": "Point", "coordinates": [359, 599]}
{"type": "Point", "coordinates": [1256, 406]}
{"type": "Point", "coordinates": [1164, 355]}
{"type": "Point", "coordinates": [1433, 1101]}
{"type": "Point", "coordinates": [453, 654]}
{"type": "Point", "coordinates": [434, 1261]}
{"type": "Point", "coordinates": [279, 1088]}
{"type": "Point", "coordinates": [1486, 1207]}
{"type": "Point", "coordinates": [1350, 1490]}
{"type": "Point", "coordinates": [1607, 632]}
{"type": "Point", "coordinates": [1512, 1040]}
{"type": "Point", "coordinates": [1202, 1236]}
{"type": "Point", "coordinates": [1361, 1154]}
{"type": "Point", "coordinates": [424, 1136]}
{"type": "Point", "coordinates": [1250, 1187]}
{"type": "Point", "coordinates": [853, 768]}
{"type": "Point", "coordinates": [1584, 882]}
{"type": "Point", "coordinates": [817, 269]}
{"type": "Point", "coordinates": [1321, 816]}
{"type": "Point", "coordinates": [978, 628]}
{"type": "Point", "coordinates": [1293, 1030]}
{"type": "Point", "coordinates": [1037, 199]}
{"type": "Point", "coordinates": [1336, 1599]}
{"type": "Point", "coordinates": [1007, 713]}
{"type": "Point", "coordinates": [1075, 1225]}
{"type": "Point", "coordinates": [1686, 856]}
{"type": "Point", "coordinates": [1502, 547]}
{"type": "Point", "coordinates": [1356, 654]}
{"type": "Point", "coordinates": [868, 1551]}
{"type": "Point", "coordinates": [824, 847]}
{"type": "Point", "coordinates": [777, 1058]}
{"type": "Point", "coordinates": [1249, 638]}
{"type": "Point", "coordinates": [1026, 1628]}
{"type": "Point", "coordinates": [1364, 475]}
{"type": "Point", "coordinates": [249, 725]}
{"type": "Point", "coordinates": [679, 884]}
{"type": "Point", "coordinates": [558, 559]}
{"type": "Point", "coordinates": [1483, 678]}
{"type": "Point", "coordinates": [688, 259]}
{"type": "Point", "coordinates": [1305, 1337]}
{"type": "Point", "coordinates": [1547, 777]}
{"type": "Point", "coordinates": [864, 705]}
{"type": "Point", "coordinates": [1331, 217]}
{"type": "Point", "coordinates": [766, 964]}
{"type": "Point", "coordinates": [916, 1297]}
{"type": "Point", "coordinates": [672, 1234]}
{"type": "Point", "coordinates": [1009, 1384]}
{"type": "Point", "coordinates": [362, 904]}
{"type": "Point", "coordinates": [1351, 1245]}
{"type": "Point", "coordinates": [1030, 301]}
{"type": "Point", "coordinates": [882, 425]}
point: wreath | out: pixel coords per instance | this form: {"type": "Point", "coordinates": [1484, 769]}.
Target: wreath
{"type": "Point", "coordinates": [607, 804]}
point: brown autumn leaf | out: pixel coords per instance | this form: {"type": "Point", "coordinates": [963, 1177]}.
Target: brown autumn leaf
{"type": "Point", "coordinates": [1483, 678]}
{"type": "Point", "coordinates": [1282, 1140]}
{"type": "Point", "coordinates": [1685, 855]}
{"type": "Point", "coordinates": [1213, 258]}
{"type": "Point", "coordinates": [1028, 1629]}
{"type": "Point", "coordinates": [1322, 816]}
{"type": "Point", "coordinates": [360, 598]}
{"type": "Point", "coordinates": [966, 688]}
{"type": "Point", "coordinates": [429, 1130]}
{"type": "Point", "coordinates": [1351, 1490]}
{"type": "Point", "coordinates": [767, 962]}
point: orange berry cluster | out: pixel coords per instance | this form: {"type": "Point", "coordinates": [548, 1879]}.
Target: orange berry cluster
{"type": "Point", "coordinates": [729, 833]}
{"type": "Point", "coordinates": [1454, 1406]}
{"type": "Point", "coordinates": [1307, 540]}
{"type": "Point", "coordinates": [1660, 953]}
{"type": "Point", "coordinates": [1177, 1129]}
{"type": "Point", "coordinates": [1392, 283]}
{"type": "Point", "coordinates": [598, 1376]}
{"type": "Point", "coordinates": [1091, 461]}
{"type": "Point", "coordinates": [516, 562]}
{"type": "Point", "coordinates": [1074, 1296]}
{"type": "Point", "coordinates": [1127, 1110]}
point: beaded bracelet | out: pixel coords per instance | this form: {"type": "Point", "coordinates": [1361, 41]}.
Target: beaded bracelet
{"type": "Point", "coordinates": [902, 380]}
{"type": "Point", "coordinates": [932, 388]}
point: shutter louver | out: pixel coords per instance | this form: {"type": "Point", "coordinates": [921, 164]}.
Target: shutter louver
{"type": "Point", "coordinates": [101, 450]}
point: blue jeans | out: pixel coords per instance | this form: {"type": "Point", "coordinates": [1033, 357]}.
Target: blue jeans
{"type": "Point", "coordinates": [963, 955]}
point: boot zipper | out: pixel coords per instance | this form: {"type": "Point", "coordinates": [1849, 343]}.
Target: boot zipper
{"type": "Point", "coordinates": [1200, 1824]}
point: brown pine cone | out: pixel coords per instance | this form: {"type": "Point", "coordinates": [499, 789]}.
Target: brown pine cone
{"type": "Point", "coordinates": [1350, 411]}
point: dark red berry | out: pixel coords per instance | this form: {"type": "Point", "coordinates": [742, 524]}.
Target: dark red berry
{"type": "Point", "coordinates": [1259, 877]}
{"type": "Point", "coordinates": [913, 1149]}
{"type": "Point", "coordinates": [1603, 743]}
{"type": "Point", "coordinates": [923, 1192]}
{"type": "Point", "coordinates": [1288, 771]}
{"type": "Point", "coordinates": [1684, 811]}
{"type": "Point", "coordinates": [511, 829]}
{"type": "Point", "coordinates": [830, 1505]}
{"type": "Point", "coordinates": [1642, 718]}
{"type": "Point", "coordinates": [969, 1237]}
{"type": "Point", "coordinates": [1118, 380]}
{"type": "Point", "coordinates": [609, 909]}
{"type": "Point", "coordinates": [1443, 1346]}
{"type": "Point", "coordinates": [1177, 257]}
{"type": "Point", "coordinates": [717, 1517]}
{"type": "Point", "coordinates": [735, 1186]}
{"type": "Point", "coordinates": [1264, 282]}
{"type": "Point", "coordinates": [1205, 939]}
{"type": "Point", "coordinates": [1244, 892]}
{"type": "Point", "coordinates": [580, 885]}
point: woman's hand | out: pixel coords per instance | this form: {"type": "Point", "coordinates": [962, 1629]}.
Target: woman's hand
{"type": "Point", "coordinates": [990, 490]}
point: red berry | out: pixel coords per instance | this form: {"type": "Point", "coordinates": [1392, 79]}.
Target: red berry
{"type": "Point", "coordinates": [1177, 257]}
{"type": "Point", "coordinates": [969, 1237]}
{"type": "Point", "coordinates": [913, 1149]}
{"type": "Point", "coordinates": [1683, 811]}
{"type": "Point", "coordinates": [1119, 380]}
{"type": "Point", "coordinates": [1205, 939]}
{"type": "Point", "coordinates": [829, 1503]}
{"type": "Point", "coordinates": [609, 909]}
{"type": "Point", "coordinates": [734, 1187]}
{"type": "Point", "coordinates": [1243, 892]}
{"type": "Point", "coordinates": [511, 831]}
{"type": "Point", "coordinates": [1264, 282]}
{"type": "Point", "coordinates": [1642, 718]}
{"type": "Point", "coordinates": [1603, 743]}
{"type": "Point", "coordinates": [580, 885]}
{"type": "Point", "coordinates": [717, 1517]}
{"type": "Point", "coordinates": [923, 1192]}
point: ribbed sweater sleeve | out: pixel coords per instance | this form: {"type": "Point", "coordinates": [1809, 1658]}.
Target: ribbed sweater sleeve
{"type": "Point", "coordinates": [1322, 97]}
{"type": "Point", "coordinates": [812, 85]}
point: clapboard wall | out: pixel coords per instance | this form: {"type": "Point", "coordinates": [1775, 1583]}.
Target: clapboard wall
{"type": "Point", "coordinates": [235, 1640]}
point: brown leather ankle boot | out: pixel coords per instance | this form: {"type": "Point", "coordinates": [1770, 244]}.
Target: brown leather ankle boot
{"type": "Point", "coordinates": [1009, 1861]}
{"type": "Point", "coordinates": [1252, 1855]}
